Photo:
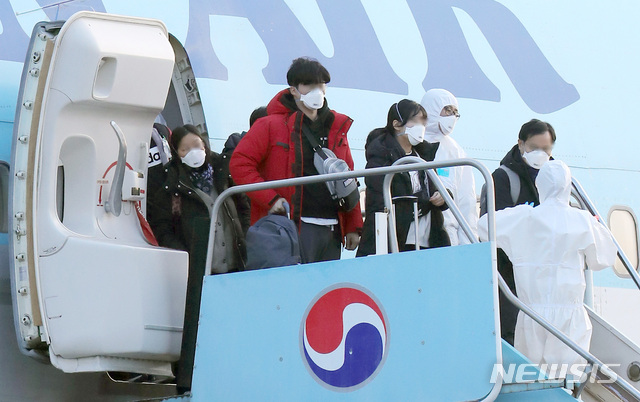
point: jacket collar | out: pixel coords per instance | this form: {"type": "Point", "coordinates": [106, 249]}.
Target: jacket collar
{"type": "Point", "coordinates": [513, 160]}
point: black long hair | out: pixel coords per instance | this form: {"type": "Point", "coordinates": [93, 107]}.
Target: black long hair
{"type": "Point", "coordinates": [179, 133]}
{"type": "Point", "coordinates": [403, 111]}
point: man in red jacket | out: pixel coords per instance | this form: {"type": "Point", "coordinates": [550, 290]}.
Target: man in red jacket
{"type": "Point", "coordinates": [276, 148]}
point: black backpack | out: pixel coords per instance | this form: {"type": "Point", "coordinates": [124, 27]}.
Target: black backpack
{"type": "Point", "coordinates": [272, 242]}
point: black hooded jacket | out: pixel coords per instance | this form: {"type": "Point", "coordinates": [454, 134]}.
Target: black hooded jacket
{"type": "Point", "coordinates": [383, 149]}
{"type": "Point", "coordinates": [528, 191]}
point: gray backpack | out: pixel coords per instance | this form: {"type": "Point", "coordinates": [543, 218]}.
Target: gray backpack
{"type": "Point", "coordinates": [344, 192]}
{"type": "Point", "coordinates": [514, 183]}
{"type": "Point", "coordinates": [272, 242]}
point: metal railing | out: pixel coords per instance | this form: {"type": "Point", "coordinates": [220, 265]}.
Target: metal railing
{"type": "Point", "coordinates": [418, 164]}
{"type": "Point", "coordinates": [586, 204]}
{"type": "Point", "coordinates": [411, 164]}
{"type": "Point", "coordinates": [414, 160]}
{"type": "Point", "coordinates": [113, 204]}
{"type": "Point", "coordinates": [407, 164]}
{"type": "Point", "coordinates": [297, 181]}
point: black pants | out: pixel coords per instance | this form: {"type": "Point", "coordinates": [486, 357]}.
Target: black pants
{"type": "Point", "coordinates": [319, 243]}
{"type": "Point", "coordinates": [508, 312]}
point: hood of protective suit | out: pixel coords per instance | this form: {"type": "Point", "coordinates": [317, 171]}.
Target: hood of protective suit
{"type": "Point", "coordinates": [554, 182]}
{"type": "Point", "coordinates": [433, 102]}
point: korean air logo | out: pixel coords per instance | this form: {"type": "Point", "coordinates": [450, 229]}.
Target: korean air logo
{"type": "Point", "coordinates": [344, 337]}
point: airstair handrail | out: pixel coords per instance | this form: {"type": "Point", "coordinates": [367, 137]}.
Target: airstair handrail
{"type": "Point", "coordinates": [590, 358]}
{"type": "Point", "coordinates": [419, 164]}
{"type": "Point", "coordinates": [113, 204]}
{"type": "Point", "coordinates": [386, 191]}
{"type": "Point", "coordinates": [321, 178]}
{"type": "Point", "coordinates": [588, 205]}
{"type": "Point", "coordinates": [415, 162]}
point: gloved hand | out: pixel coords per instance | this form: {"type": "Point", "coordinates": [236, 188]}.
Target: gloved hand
{"type": "Point", "coordinates": [352, 240]}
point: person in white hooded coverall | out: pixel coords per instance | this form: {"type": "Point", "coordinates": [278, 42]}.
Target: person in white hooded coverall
{"type": "Point", "coordinates": [442, 115]}
{"type": "Point", "coordinates": [549, 245]}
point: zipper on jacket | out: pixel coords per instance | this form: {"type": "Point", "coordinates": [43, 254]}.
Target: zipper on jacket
{"type": "Point", "coordinates": [339, 130]}
{"type": "Point", "coordinates": [193, 191]}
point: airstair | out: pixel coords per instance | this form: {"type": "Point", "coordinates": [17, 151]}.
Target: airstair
{"type": "Point", "coordinates": [438, 308]}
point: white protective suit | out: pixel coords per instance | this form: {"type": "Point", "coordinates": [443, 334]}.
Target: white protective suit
{"type": "Point", "coordinates": [549, 245]}
{"type": "Point", "coordinates": [459, 180]}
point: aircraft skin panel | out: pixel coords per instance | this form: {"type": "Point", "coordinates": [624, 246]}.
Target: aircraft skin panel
{"type": "Point", "coordinates": [589, 95]}
{"type": "Point", "coordinates": [27, 380]}
{"type": "Point", "coordinates": [616, 305]}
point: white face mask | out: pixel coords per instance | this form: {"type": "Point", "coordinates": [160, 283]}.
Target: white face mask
{"type": "Point", "coordinates": [536, 158]}
{"type": "Point", "coordinates": [194, 158]}
{"type": "Point", "coordinates": [415, 133]}
{"type": "Point", "coordinates": [447, 123]}
{"type": "Point", "coordinates": [313, 99]}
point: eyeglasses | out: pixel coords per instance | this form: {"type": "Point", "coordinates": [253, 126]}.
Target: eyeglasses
{"type": "Point", "coordinates": [451, 110]}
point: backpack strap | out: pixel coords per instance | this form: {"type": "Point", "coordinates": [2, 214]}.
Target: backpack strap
{"type": "Point", "coordinates": [314, 144]}
{"type": "Point", "coordinates": [514, 183]}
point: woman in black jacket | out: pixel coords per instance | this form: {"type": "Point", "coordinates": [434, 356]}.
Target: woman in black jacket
{"type": "Point", "coordinates": [195, 177]}
{"type": "Point", "coordinates": [402, 136]}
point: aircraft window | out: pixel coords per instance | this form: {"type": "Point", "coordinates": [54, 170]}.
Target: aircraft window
{"type": "Point", "coordinates": [4, 197]}
{"type": "Point", "coordinates": [624, 226]}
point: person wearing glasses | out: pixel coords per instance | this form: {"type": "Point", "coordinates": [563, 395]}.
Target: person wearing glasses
{"type": "Point", "coordinates": [442, 109]}
{"type": "Point", "coordinates": [402, 136]}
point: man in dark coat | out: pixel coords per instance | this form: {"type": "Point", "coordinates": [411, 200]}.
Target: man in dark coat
{"type": "Point", "coordinates": [522, 163]}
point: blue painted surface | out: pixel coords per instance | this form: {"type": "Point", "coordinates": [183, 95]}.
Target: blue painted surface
{"type": "Point", "coordinates": [511, 356]}
{"type": "Point", "coordinates": [8, 94]}
{"type": "Point", "coordinates": [6, 135]}
{"type": "Point", "coordinates": [250, 328]}
{"type": "Point", "coordinates": [608, 278]}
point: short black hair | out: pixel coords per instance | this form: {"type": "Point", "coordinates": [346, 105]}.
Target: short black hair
{"type": "Point", "coordinates": [536, 127]}
{"type": "Point", "coordinates": [307, 71]}
{"type": "Point", "coordinates": [256, 114]}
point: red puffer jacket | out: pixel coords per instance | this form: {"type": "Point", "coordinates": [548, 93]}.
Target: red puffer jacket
{"type": "Point", "coordinates": [272, 150]}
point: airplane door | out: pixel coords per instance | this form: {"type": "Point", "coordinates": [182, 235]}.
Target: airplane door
{"type": "Point", "coordinates": [88, 287]}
